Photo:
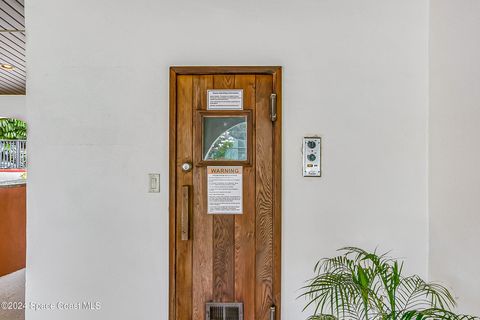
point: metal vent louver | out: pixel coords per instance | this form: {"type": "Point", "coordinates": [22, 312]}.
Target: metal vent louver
{"type": "Point", "coordinates": [224, 311]}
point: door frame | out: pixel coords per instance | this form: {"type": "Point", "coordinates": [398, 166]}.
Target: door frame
{"type": "Point", "coordinates": [276, 72]}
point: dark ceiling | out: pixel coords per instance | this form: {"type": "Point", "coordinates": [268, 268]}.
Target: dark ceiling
{"type": "Point", "coordinates": [12, 47]}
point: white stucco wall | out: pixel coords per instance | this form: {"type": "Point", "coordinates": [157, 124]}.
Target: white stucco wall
{"type": "Point", "coordinates": [454, 149]}
{"type": "Point", "coordinates": [13, 106]}
{"type": "Point", "coordinates": [355, 72]}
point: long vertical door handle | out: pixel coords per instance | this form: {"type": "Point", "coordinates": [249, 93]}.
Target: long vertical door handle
{"type": "Point", "coordinates": [185, 213]}
{"type": "Point", "coordinates": [273, 107]}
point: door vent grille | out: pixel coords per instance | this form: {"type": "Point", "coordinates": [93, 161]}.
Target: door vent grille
{"type": "Point", "coordinates": [224, 311]}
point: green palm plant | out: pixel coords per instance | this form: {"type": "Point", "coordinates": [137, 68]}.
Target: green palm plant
{"type": "Point", "coordinates": [12, 129]}
{"type": "Point", "coordinates": [364, 285]}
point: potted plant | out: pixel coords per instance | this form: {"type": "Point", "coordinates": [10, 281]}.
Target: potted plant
{"type": "Point", "coordinates": [364, 285]}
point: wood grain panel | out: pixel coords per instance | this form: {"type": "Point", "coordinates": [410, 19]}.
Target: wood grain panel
{"type": "Point", "coordinates": [223, 234]}
{"type": "Point", "coordinates": [225, 70]}
{"type": "Point", "coordinates": [12, 228]}
{"type": "Point", "coordinates": [228, 257]}
{"type": "Point", "coordinates": [184, 154]}
{"type": "Point", "coordinates": [264, 198]}
{"type": "Point", "coordinates": [172, 180]}
{"type": "Point", "coordinates": [202, 222]}
{"type": "Point", "coordinates": [277, 196]}
{"type": "Point", "coordinates": [245, 223]}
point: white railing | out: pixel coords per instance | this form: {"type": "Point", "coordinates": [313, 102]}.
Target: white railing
{"type": "Point", "coordinates": [13, 154]}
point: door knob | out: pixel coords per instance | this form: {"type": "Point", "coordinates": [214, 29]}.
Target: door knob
{"type": "Point", "coordinates": [187, 166]}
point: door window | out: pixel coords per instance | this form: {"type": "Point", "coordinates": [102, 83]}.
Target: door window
{"type": "Point", "coordinates": [225, 138]}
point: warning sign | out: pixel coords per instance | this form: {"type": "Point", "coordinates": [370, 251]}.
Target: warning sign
{"type": "Point", "coordinates": [225, 189]}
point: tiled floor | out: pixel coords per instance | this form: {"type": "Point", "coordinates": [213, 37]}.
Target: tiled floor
{"type": "Point", "coordinates": [12, 289]}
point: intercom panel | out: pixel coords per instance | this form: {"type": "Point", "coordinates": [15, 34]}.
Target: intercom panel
{"type": "Point", "coordinates": [312, 157]}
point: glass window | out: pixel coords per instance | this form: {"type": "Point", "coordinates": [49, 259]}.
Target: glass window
{"type": "Point", "coordinates": [225, 138]}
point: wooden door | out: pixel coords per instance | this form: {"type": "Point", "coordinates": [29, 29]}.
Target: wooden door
{"type": "Point", "coordinates": [225, 257]}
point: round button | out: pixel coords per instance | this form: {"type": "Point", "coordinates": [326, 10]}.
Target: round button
{"type": "Point", "coordinates": [311, 144]}
{"type": "Point", "coordinates": [311, 157]}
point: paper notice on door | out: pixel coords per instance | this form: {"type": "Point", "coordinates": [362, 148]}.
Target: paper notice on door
{"type": "Point", "coordinates": [231, 99]}
{"type": "Point", "coordinates": [225, 189]}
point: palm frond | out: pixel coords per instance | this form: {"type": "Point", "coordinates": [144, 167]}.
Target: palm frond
{"type": "Point", "coordinates": [331, 292]}
{"type": "Point", "coordinates": [435, 314]}
{"type": "Point", "coordinates": [413, 288]}
{"type": "Point", "coordinates": [362, 285]}
{"type": "Point", "coordinates": [322, 317]}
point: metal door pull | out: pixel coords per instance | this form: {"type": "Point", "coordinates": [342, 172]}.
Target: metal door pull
{"type": "Point", "coordinates": [185, 213]}
{"type": "Point", "coordinates": [273, 107]}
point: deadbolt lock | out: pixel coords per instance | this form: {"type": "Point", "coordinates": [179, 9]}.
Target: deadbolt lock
{"type": "Point", "coordinates": [187, 166]}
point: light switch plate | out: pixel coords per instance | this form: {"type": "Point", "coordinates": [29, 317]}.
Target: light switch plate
{"type": "Point", "coordinates": [153, 182]}
{"type": "Point", "coordinates": [312, 148]}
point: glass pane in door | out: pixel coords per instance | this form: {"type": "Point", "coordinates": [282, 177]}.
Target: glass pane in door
{"type": "Point", "coordinates": [225, 138]}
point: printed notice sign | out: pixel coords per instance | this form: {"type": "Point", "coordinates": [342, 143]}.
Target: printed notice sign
{"type": "Point", "coordinates": [225, 189]}
{"type": "Point", "coordinates": [231, 99]}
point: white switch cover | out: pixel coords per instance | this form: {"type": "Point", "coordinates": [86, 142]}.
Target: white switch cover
{"type": "Point", "coordinates": [154, 182]}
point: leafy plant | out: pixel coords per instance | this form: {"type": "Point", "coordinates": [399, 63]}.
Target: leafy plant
{"type": "Point", "coordinates": [12, 129]}
{"type": "Point", "coordinates": [363, 285]}
{"type": "Point", "coordinates": [222, 147]}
